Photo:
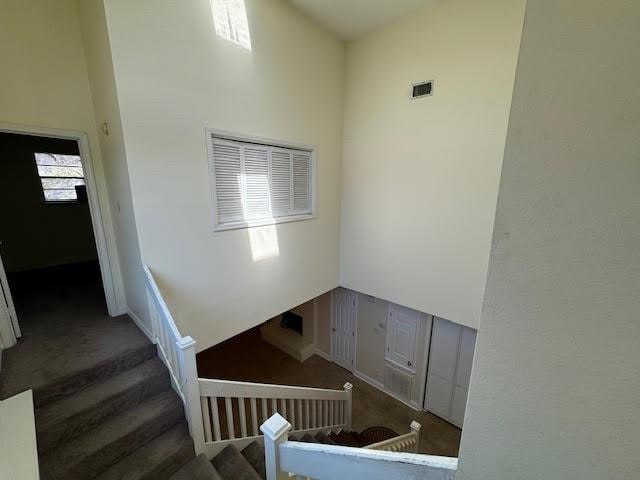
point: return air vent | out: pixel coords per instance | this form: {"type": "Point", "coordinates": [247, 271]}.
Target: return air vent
{"type": "Point", "coordinates": [422, 89]}
{"type": "Point", "coordinates": [397, 382]}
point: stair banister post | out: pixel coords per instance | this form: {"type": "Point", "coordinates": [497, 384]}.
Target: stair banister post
{"type": "Point", "coordinates": [191, 391]}
{"type": "Point", "coordinates": [415, 428]}
{"type": "Point", "coordinates": [276, 432]}
{"type": "Point", "coordinates": [348, 388]}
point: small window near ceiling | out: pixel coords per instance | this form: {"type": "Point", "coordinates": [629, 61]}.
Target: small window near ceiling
{"type": "Point", "coordinates": [59, 176]}
{"type": "Point", "coordinates": [260, 183]}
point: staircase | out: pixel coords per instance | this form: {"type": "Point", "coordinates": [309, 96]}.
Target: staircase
{"type": "Point", "coordinates": [249, 464]}
{"type": "Point", "coordinates": [117, 420]}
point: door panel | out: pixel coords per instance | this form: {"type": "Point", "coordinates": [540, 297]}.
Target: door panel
{"type": "Point", "coordinates": [402, 331]}
{"type": "Point", "coordinates": [458, 405]}
{"type": "Point", "coordinates": [343, 329]}
{"type": "Point", "coordinates": [438, 397]}
{"type": "Point", "coordinates": [467, 346]}
{"type": "Point", "coordinates": [444, 349]}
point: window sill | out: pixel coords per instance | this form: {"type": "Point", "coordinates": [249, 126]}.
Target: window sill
{"type": "Point", "coordinates": [262, 223]}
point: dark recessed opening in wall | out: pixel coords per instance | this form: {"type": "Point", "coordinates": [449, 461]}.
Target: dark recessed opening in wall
{"type": "Point", "coordinates": [47, 244]}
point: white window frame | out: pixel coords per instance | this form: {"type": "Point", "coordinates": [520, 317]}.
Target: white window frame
{"type": "Point", "coordinates": [237, 137]}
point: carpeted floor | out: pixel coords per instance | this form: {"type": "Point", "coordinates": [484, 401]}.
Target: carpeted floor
{"type": "Point", "coordinates": [65, 327]}
{"type": "Point", "coordinates": [247, 358]}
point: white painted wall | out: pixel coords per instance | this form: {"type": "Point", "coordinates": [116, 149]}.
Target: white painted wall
{"type": "Point", "coordinates": [420, 179]}
{"type": "Point", "coordinates": [555, 390]}
{"type": "Point", "coordinates": [44, 83]}
{"type": "Point", "coordinates": [97, 52]}
{"type": "Point", "coordinates": [175, 77]}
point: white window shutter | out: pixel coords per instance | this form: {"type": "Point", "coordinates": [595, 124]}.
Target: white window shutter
{"type": "Point", "coordinates": [226, 164]}
{"type": "Point", "coordinates": [256, 181]}
{"type": "Point", "coordinates": [280, 182]}
{"type": "Point", "coordinates": [301, 181]}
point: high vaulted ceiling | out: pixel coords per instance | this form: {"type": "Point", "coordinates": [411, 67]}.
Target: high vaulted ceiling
{"type": "Point", "coordinates": [349, 19]}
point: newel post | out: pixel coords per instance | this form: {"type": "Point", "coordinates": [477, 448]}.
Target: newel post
{"type": "Point", "coordinates": [276, 432]}
{"type": "Point", "coordinates": [415, 429]}
{"type": "Point", "coordinates": [348, 388]}
{"type": "Point", "coordinates": [191, 391]}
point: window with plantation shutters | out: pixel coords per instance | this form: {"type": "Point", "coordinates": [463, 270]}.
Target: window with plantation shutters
{"type": "Point", "coordinates": [258, 184]}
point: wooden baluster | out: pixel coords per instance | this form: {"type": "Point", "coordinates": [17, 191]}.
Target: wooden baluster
{"type": "Point", "coordinates": [243, 418]}
{"type": "Point", "coordinates": [326, 413]}
{"type": "Point", "coordinates": [320, 414]}
{"type": "Point", "coordinates": [229, 412]}
{"type": "Point", "coordinates": [307, 414]}
{"type": "Point", "coordinates": [284, 408]}
{"type": "Point", "coordinates": [276, 432]}
{"type": "Point", "coordinates": [292, 413]}
{"type": "Point", "coordinates": [332, 418]}
{"type": "Point", "coordinates": [300, 423]}
{"type": "Point", "coordinates": [265, 410]}
{"type": "Point", "coordinates": [274, 406]}
{"type": "Point", "coordinates": [314, 418]}
{"type": "Point", "coordinates": [213, 402]}
{"type": "Point", "coordinates": [254, 417]}
{"type": "Point", "coordinates": [206, 418]}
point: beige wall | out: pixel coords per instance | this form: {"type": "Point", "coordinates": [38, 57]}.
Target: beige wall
{"type": "Point", "coordinates": [420, 178]}
{"type": "Point", "coordinates": [175, 77]}
{"type": "Point", "coordinates": [44, 83]}
{"type": "Point", "coordinates": [555, 390]}
{"type": "Point", "coordinates": [97, 52]}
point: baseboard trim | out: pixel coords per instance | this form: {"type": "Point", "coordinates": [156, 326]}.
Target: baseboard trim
{"type": "Point", "coordinates": [324, 355]}
{"type": "Point", "coordinates": [380, 386]}
{"type": "Point", "coordinates": [140, 324]}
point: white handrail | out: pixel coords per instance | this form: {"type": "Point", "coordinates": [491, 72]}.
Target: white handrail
{"type": "Point", "coordinates": [232, 412]}
{"type": "Point", "coordinates": [178, 353]}
{"type": "Point", "coordinates": [409, 442]}
{"type": "Point", "coordinates": [284, 458]}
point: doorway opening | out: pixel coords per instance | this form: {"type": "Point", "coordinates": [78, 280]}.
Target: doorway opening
{"type": "Point", "coordinates": [53, 256]}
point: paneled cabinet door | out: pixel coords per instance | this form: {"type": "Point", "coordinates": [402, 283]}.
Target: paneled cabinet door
{"type": "Point", "coordinates": [449, 370]}
{"type": "Point", "coordinates": [402, 329]}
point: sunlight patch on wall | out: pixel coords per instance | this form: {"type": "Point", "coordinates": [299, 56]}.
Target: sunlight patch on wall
{"type": "Point", "coordinates": [230, 21]}
{"type": "Point", "coordinates": [264, 243]}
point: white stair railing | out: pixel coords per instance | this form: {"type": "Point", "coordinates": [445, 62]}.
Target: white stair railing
{"type": "Point", "coordinates": [232, 412]}
{"type": "Point", "coordinates": [327, 462]}
{"type": "Point", "coordinates": [178, 353]}
{"type": "Point", "coordinates": [409, 442]}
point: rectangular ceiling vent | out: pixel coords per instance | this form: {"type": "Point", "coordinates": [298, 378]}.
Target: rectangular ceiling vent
{"type": "Point", "coordinates": [422, 89]}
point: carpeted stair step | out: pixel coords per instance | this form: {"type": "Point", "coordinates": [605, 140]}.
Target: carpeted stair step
{"type": "Point", "coordinates": [308, 438]}
{"type": "Point", "coordinates": [346, 439]}
{"type": "Point", "coordinates": [231, 465]}
{"type": "Point", "coordinates": [254, 453]}
{"type": "Point", "coordinates": [157, 459]}
{"type": "Point", "coordinates": [92, 374]}
{"type": "Point", "coordinates": [68, 417]}
{"type": "Point", "coordinates": [197, 469]}
{"type": "Point", "coordinates": [94, 451]}
{"type": "Point", "coordinates": [322, 438]}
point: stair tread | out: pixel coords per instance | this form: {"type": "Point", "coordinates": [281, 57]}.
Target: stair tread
{"type": "Point", "coordinates": [254, 454]}
{"type": "Point", "coordinates": [156, 459]}
{"type": "Point", "coordinates": [197, 469]}
{"type": "Point", "coordinates": [76, 413]}
{"type": "Point", "coordinates": [322, 438]}
{"type": "Point", "coordinates": [100, 447]}
{"type": "Point", "coordinates": [231, 465]}
{"type": "Point", "coordinates": [80, 379]}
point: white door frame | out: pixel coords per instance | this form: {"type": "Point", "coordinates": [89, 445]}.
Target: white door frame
{"type": "Point", "coordinates": [100, 218]}
{"type": "Point", "coordinates": [12, 329]}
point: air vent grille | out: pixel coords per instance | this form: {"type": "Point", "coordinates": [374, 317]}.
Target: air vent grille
{"type": "Point", "coordinates": [397, 382]}
{"type": "Point", "coordinates": [422, 89]}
